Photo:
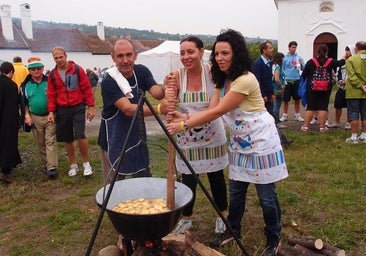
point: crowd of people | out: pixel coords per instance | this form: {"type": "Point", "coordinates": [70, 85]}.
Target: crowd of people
{"type": "Point", "coordinates": [231, 89]}
{"type": "Point", "coordinates": [52, 107]}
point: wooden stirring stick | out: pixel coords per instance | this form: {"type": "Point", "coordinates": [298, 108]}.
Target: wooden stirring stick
{"type": "Point", "coordinates": [170, 96]}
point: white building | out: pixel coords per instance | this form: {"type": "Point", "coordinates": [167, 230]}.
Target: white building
{"type": "Point", "coordinates": [336, 23]}
{"type": "Point", "coordinates": [24, 40]}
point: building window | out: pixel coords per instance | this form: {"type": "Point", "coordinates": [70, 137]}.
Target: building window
{"type": "Point", "coordinates": [326, 6]}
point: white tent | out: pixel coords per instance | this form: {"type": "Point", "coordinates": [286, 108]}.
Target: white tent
{"type": "Point", "coordinates": [163, 59]}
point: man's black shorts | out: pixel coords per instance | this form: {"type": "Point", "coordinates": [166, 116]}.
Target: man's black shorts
{"type": "Point", "coordinates": [291, 90]}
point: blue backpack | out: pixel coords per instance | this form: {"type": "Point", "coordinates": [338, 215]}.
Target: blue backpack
{"type": "Point", "coordinates": [301, 91]}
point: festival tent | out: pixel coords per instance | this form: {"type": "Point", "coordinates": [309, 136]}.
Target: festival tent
{"type": "Point", "coordinates": [163, 59]}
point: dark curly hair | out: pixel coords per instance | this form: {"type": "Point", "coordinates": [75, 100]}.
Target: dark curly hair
{"type": "Point", "coordinates": [241, 63]}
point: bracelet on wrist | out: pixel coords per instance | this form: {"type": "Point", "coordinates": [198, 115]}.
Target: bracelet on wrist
{"type": "Point", "coordinates": [182, 127]}
{"type": "Point", "coordinates": [26, 116]}
{"type": "Point", "coordinates": [158, 109]}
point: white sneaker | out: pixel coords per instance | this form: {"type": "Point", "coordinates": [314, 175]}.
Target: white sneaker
{"type": "Point", "coordinates": [327, 123]}
{"type": "Point", "coordinates": [333, 125]}
{"type": "Point", "coordinates": [87, 169]}
{"type": "Point", "coordinates": [361, 139]}
{"type": "Point", "coordinates": [73, 170]}
{"type": "Point", "coordinates": [182, 226]}
{"type": "Point", "coordinates": [351, 140]}
{"type": "Point", "coordinates": [347, 126]}
{"type": "Point", "coordinates": [299, 118]}
{"type": "Point", "coordinates": [314, 120]}
{"type": "Point", "coordinates": [284, 118]}
{"type": "Point", "coordinates": [220, 226]}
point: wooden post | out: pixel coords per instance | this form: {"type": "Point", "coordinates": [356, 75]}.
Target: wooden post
{"type": "Point", "coordinates": [170, 96]}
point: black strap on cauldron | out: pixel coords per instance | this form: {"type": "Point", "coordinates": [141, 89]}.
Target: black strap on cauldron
{"type": "Point", "coordinates": [141, 101]}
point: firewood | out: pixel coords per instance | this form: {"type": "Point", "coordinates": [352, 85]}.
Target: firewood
{"type": "Point", "coordinates": [308, 242]}
{"type": "Point", "coordinates": [287, 251]}
{"type": "Point", "coordinates": [198, 247]}
{"type": "Point", "coordinates": [194, 248]}
{"type": "Point", "coordinates": [305, 251]}
{"type": "Point", "coordinates": [330, 250]}
{"type": "Point", "coordinates": [110, 250]}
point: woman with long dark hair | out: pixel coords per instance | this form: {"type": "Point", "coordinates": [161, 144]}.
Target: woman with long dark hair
{"type": "Point", "coordinates": [256, 154]}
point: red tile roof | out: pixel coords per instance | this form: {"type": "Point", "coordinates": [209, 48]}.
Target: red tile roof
{"type": "Point", "coordinates": [45, 38]}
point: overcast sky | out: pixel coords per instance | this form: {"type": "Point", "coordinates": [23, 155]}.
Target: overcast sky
{"type": "Point", "coordinates": [253, 18]}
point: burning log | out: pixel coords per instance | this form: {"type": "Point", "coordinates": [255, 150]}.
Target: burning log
{"type": "Point", "coordinates": [198, 247]}
{"type": "Point", "coordinates": [193, 247]}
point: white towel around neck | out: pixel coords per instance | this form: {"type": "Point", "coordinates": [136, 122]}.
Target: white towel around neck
{"type": "Point", "coordinates": [121, 81]}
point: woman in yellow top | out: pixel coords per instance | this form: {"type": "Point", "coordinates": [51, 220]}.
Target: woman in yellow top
{"type": "Point", "coordinates": [256, 155]}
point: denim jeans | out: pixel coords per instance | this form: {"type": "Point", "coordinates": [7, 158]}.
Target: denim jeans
{"type": "Point", "coordinates": [276, 108]}
{"type": "Point", "coordinates": [268, 201]}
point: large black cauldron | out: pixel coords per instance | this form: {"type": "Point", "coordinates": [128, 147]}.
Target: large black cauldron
{"type": "Point", "coordinates": [144, 226]}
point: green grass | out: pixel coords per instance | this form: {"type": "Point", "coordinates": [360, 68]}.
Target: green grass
{"type": "Point", "coordinates": [325, 195]}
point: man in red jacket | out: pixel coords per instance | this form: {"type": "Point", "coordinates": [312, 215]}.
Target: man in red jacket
{"type": "Point", "coordinates": [68, 92]}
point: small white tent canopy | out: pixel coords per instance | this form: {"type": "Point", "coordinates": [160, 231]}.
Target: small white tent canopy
{"type": "Point", "coordinates": [163, 59]}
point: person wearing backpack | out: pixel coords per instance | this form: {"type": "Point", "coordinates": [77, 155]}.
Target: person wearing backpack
{"type": "Point", "coordinates": [318, 72]}
{"type": "Point", "coordinates": [68, 92]}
